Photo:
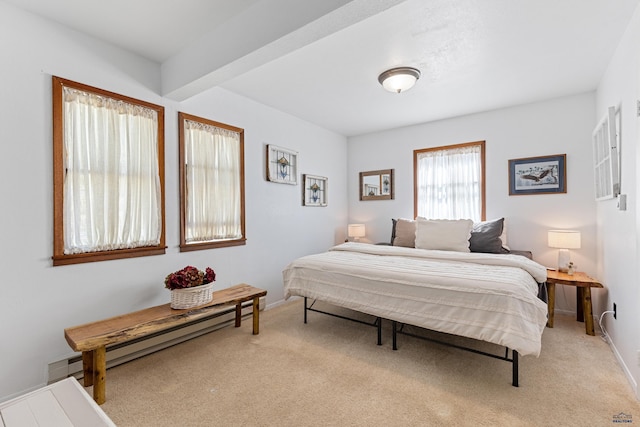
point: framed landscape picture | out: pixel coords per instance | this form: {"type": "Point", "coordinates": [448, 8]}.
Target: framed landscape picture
{"type": "Point", "coordinates": [538, 175]}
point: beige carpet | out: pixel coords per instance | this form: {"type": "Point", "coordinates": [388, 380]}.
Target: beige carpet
{"type": "Point", "coordinates": [330, 372]}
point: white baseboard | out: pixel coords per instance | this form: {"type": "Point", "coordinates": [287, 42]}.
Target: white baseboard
{"type": "Point", "coordinates": [565, 312]}
{"type": "Point", "coordinates": [625, 369]}
{"type": "Point", "coordinates": [278, 303]}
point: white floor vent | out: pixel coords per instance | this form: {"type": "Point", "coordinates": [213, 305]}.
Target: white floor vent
{"type": "Point", "coordinates": [121, 353]}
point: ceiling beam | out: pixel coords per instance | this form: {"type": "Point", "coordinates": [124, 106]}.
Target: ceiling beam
{"type": "Point", "coordinates": [260, 34]}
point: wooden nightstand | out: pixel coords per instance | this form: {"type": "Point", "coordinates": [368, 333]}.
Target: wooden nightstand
{"type": "Point", "coordinates": [583, 284]}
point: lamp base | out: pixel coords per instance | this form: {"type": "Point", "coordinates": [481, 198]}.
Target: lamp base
{"type": "Point", "coordinates": [563, 260]}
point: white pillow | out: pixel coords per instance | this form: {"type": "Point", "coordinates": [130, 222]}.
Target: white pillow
{"type": "Point", "coordinates": [443, 234]}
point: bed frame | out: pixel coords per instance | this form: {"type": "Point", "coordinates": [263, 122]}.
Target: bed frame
{"type": "Point", "coordinates": [513, 359]}
{"type": "Point", "coordinates": [400, 331]}
{"type": "Point", "coordinates": [377, 323]}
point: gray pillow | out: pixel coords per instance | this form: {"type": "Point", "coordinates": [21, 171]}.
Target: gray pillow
{"type": "Point", "coordinates": [485, 237]}
{"type": "Point", "coordinates": [405, 233]}
{"type": "Point", "coordinates": [393, 230]}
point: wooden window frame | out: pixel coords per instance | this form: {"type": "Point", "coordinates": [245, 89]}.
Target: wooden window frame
{"type": "Point", "coordinates": [59, 257]}
{"type": "Point", "coordinates": [184, 246]}
{"type": "Point", "coordinates": [483, 208]}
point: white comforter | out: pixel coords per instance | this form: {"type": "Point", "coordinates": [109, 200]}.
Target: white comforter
{"type": "Point", "coordinates": [483, 296]}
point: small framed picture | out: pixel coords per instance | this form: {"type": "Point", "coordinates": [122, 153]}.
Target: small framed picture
{"type": "Point", "coordinates": [282, 165]}
{"type": "Point", "coordinates": [315, 191]}
{"type": "Point", "coordinates": [538, 175]}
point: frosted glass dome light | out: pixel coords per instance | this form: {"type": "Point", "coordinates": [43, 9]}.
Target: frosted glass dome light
{"type": "Point", "coordinates": [399, 79]}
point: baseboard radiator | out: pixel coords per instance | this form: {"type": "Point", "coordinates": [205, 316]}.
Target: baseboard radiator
{"type": "Point", "coordinates": [130, 350]}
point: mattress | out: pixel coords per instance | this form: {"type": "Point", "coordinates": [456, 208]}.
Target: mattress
{"type": "Point", "coordinates": [489, 297]}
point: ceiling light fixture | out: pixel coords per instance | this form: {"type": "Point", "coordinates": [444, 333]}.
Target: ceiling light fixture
{"type": "Point", "coordinates": [399, 79]}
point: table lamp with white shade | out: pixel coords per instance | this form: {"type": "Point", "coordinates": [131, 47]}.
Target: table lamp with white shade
{"type": "Point", "coordinates": [564, 240]}
{"type": "Point", "coordinates": [356, 231]}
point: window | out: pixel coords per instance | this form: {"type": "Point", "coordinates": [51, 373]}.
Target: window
{"type": "Point", "coordinates": [108, 166]}
{"type": "Point", "coordinates": [449, 182]}
{"type": "Point", "coordinates": [211, 184]}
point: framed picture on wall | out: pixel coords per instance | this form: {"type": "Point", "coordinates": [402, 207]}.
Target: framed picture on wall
{"type": "Point", "coordinates": [282, 165]}
{"type": "Point", "coordinates": [315, 191]}
{"type": "Point", "coordinates": [538, 175]}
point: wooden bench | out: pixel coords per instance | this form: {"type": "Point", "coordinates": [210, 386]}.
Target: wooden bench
{"type": "Point", "coordinates": [93, 338]}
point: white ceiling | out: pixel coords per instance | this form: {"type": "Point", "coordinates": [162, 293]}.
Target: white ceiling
{"type": "Point", "coordinates": [319, 60]}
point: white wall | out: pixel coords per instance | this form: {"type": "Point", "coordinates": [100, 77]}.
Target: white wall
{"type": "Point", "coordinates": [37, 301]}
{"type": "Point", "coordinates": [619, 265]}
{"type": "Point", "coordinates": [559, 126]}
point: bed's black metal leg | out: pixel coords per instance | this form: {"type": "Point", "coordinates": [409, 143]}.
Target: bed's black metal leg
{"type": "Point", "coordinates": [394, 324]}
{"type": "Point", "coordinates": [379, 320]}
{"type": "Point", "coordinates": [515, 368]}
{"type": "Point", "coordinates": [305, 309]}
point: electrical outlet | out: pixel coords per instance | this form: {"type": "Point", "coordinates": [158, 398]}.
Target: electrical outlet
{"type": "Point", "coordinates": [615, 311]}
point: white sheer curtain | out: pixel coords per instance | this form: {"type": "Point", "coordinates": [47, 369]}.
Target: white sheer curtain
{"type": "Point", "coordinates": [112, 185]}
{"type": "Point", "coordinates": [449, 183]}
{"type": "Point", "coordinates": [213, 183]}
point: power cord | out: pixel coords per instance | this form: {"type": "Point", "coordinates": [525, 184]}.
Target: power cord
{"type": "Point", "coordinates": [605, 335]}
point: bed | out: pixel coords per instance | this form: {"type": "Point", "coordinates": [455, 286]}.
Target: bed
{"type": "Point", "coordinates": [485, 296]}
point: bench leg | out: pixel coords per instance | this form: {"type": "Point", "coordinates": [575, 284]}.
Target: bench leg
{"type": "Point", "coordinates": [256, 316]}
{"type": "Point", "coordinates": [99, 374]}
{"type": "Point", "coordinates": [238, 315]}
{"type": "Point", "coordinates": [87, 367]}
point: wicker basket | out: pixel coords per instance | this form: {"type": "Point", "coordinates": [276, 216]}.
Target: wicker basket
{"type": "Point", "coordinates": [191, 297]}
